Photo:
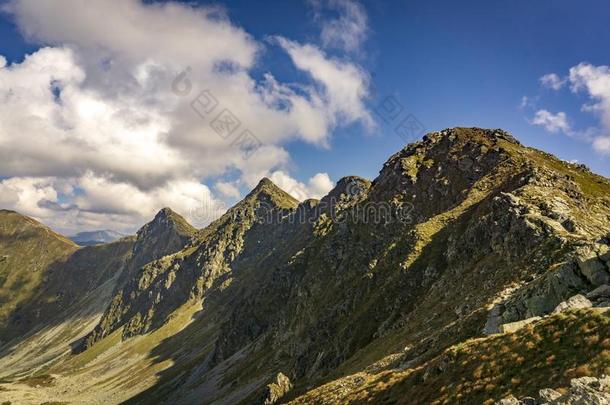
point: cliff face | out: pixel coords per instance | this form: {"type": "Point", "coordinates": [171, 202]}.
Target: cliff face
{"type": "Point", "coordinates": [461, 233]}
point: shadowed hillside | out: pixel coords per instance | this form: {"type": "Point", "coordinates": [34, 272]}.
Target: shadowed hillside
{"type": "Point", "coordinates": [469, 255]}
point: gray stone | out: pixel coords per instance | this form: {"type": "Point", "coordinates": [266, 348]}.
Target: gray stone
{"type": "Point", "coordinates": [508, 401]}
{"type": "Point", "coordinates": [547, 395]}
{"type": "Point", "coordinates": [603, 291]}
{"type": "Point", "coordinates": [591, 264]}
{"type": "Point", "coordinates": [586, 391]}
{"type": "Point", "coordinates": [515, 326]}
{"type": "Point", "coordinates": [575, 302]}
{"type": "Point", "coordinates": [274, 391]}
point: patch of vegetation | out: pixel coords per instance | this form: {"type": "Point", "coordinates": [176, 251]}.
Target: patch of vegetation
{"type": "Point", "coordinates": [44, 380]}
{"type": "Point", "coordinates": [546, 354]}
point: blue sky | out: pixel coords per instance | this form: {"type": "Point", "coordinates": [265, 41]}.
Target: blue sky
{"type": "Point", "coordinates": [447, 63]}
{"type": "Point", "coordinates": [456, 64]}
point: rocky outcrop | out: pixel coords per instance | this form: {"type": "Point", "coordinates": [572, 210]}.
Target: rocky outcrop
{"type": "Point", "coordinates": [582, 391]}
{"type": "Point", "coordinates": [275, 390]}
{"type": "Point", "coordinates": [464, 231]}
{"type": "Point", "coordinates": [575, 302]}
{"type": "Point", "coordinates": [600, 296]}
{"type": "Point", "coordinates": [161, 286]}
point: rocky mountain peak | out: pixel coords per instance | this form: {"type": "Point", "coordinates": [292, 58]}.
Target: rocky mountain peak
{"type": "Point", "coordinates": [480, 135]}
{"type": "Point", "coordinates": [270, 194]}
{"type": "Point", "coordinates": [165, 212]}
{"type": "Point", "coordinates": [349, 186]}
{"type": "Point", "coordinates": [167, 219]}
{"type": "Point", "coordinates": [167, 233]}
{"type": "Point", "coordinates": [464, 233]}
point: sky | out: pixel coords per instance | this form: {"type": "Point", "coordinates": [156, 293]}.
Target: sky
{"type": "Point", "coordinates": [111, 110]}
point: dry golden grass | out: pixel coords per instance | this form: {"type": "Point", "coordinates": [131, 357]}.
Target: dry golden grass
{"type": "Point", "coordinates": [549, 353]}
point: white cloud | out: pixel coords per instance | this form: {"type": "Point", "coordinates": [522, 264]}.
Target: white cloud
{"type": "Point", "coordinates": [96, 108]}
{"type": "Point", "coordinates": [227, 189]}
{"type": "Point", "coordinates": [25, 193]}
{"type": "Point", "coordinates": [552, 81]}
{"type": "Point", "coordinates": [552, 122]}
{"type": "Point", "coordinates": [602, 144]}
{"type": "Point", "coordinates": [317, 186]}
{"type": "Point", "coordinates": [345, 85]}
{"type": "Point", "coordinates": [595, 81]}
{"type": "Point", "coordinates": [348, 29]}
{"type": "Point", "coordinates": [528, 102]}
{"type": "Point", "coordinates": [90, 202]}
{"type": "Point", "coordinates": [320, 185]}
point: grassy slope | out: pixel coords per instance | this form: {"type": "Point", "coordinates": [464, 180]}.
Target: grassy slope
{"type": "Point", "coordinates": [596, 196]}
{"type": "Point", "coordinates": [404, 384]}
{"type": "Point", "coordinates": [27, 250]}
{"type": "Point", "coordinates": [545, 354]}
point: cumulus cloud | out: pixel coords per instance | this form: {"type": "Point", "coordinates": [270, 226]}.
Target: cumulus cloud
{"type": "Point", "coordinates": [227, 189]}
{"type": "Point", "coordinates": [602, 144]}
{"type": "Point", "coordinates": [316, 187]}
{"type": "Point", "coordinates": [552, 122]}
{"type": "Point", "coordinates": [594, 82]}
{"type": "Point", "coordinates": [345, 85]}
{"type": "Point", "coordinates": [119, 114]}
{"type": "Point", "coordinates": [90, 201]}
{"type": "Point", "coordinates": [552, 81]}
{"type": "Point", "coordinates": [348, 29]}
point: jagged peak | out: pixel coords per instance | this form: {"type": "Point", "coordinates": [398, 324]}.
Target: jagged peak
{"type": "Point", "coordinates": [267, 190]}
{"type": "Point", "coordinates": [167, 218]}
{"type": "Point", "coordinates": [265, 181]}
{"type": "Point", "coordinates": [165, 211]}
{"type": "Point", "coordinates": [488, 137]}
{"type": "Point", "coordinates": [349, 186]}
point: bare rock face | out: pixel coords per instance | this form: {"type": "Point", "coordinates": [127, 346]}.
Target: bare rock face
{"type": "Point", "coordinates": [600, 296]}
{"type": "Point", "coordinates": [586, 390]}
{"type": "Point", "coordinates": [450, 223]}
{"type": "Point", "coordinates": [462, 232]}
{"type": "Point", "coordinates": [576, 302]}
{"type": "Point", "coordinates": [275, 390]}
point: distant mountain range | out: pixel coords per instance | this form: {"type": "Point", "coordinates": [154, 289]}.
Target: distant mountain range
{"type": "Point", "coordinates": [96, 237]}
{"type": "Point", "coordinates": [471, 270]}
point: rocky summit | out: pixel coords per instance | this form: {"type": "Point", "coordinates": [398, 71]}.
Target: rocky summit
{"type": "Point", "coordinates": [472, 270]}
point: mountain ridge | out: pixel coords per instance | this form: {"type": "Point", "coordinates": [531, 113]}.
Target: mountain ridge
{"type": "Point", "coordinates": [321, 300]}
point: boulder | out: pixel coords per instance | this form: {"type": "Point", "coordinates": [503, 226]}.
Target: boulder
{"type": "Point", "coordinates": [583, 391]}
{"type": "Point", "coordinates": [510, 400]}
{"type": "Point", "coordinates": [548, 395]}
{"type": "Point", "coordinates": [586, 390]}
{"type": "Point", "coordinates": [515, 326]}
{"type": "Point", "coordinates": [575, 302]}
{"type": "Point", "coordinates": [603, 291]}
